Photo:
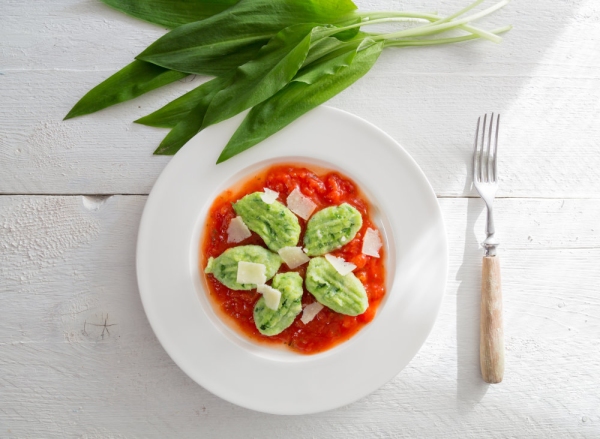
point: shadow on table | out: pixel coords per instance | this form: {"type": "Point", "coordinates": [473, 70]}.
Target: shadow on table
{"type": "Point", "coordinates": [470, 386]}
{"type": "Point", "coordinates": [528, 43]}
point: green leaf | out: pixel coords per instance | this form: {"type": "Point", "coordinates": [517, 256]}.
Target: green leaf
{"type": "Point", "coordinates": [141, 77]}
{"type": "Point", "coordinates": [348, 34]}
{"type": "Point", "coordinates": [171, 13]}
{"type": "Point", "coordinates": [274, 66]}
{"type": "Point", "coordinates": [318, 83]}
{"type": "Point", "coordinates": [183, 131]}
{"type": "Point", "coordinates": [328, 46]}
{"type": "Point", "coordinates": [329, 63]}
{"type": "Point", "coordinates": [320, 49]}
{"type": "Point", "coordinates": [191, 123]}
{"type": "Point", "coordinates": [176, 111]}
{"type": "Point", "coordinates": [133, 80]}
{"type": "Point", "coordinates": [205, 47]}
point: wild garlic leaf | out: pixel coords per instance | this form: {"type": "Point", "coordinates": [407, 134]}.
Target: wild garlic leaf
{"type": "Point", "coordinates": [309, 90]}
{"type": "Point", "coordinates": [182, 132]}
{"type": "Point", "coordinates": [176, 111]}
{"type": "Point", "coordinates": [328, 64]}
{"type": "Point", "coordinates": [329, 45]}
{"type": "Point", "coordinates": [274, 66]}
{"type": "Point", "coordinates": [191, 123]}
{"type": "Point", "coordinates": [171, 13]}
{"type": "Point", "coordinates": [206, 47]}
{"type": "Point", "coordinates": [321, 48]}
{"type": "Point", "coordinates": [131, 81]}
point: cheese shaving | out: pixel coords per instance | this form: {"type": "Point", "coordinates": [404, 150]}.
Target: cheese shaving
{"type": "Point", "coordinates": [237, 230]}
{"type": "Point", "coordinates": [271, 295]}
{"type": "Point", "coordinates": [293, 256]}
{"type": "Point", "coordinates": [300, 204]}
{"type": "Point", "coordinates": [269, 196]}
{"type": "Point", "coordinates": [310, 312]}
{"type": "Point", "coordinates": [371, 243]}
{"type": "Point", "coordinates": [341, 266]}
{"type": "Point", "coordinates": [251, 273]}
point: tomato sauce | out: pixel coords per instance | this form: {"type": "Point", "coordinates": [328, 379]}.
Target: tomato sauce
{"type": "Point", "coordinates": [328, 328]}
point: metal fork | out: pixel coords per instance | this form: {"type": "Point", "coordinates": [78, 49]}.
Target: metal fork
{"type": "Point", "coordinates": [485, 180]}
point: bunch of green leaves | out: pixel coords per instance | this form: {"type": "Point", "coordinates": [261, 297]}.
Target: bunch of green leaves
{"type": "Point", "coordinates": [278, 58]}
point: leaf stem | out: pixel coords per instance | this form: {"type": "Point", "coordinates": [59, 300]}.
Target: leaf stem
{"type": "Point", "coordinates": [436, 19]}
{"type": "Point", "coordinates": [461, 12]}
{"type": "Point", "coordinates": [385, 14]}
{"type": "Point", "coordinates": [474, 30]}
{"type": "Point", "coordinates": [437, 28]}
{"type": "Point", "coordinates": [405, 43]}
{"type": "Point", "coordinates": [428, 17]}
{"type": "Point", "coordinates": [436, 23]}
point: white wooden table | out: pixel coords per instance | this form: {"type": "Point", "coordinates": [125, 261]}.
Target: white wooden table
{"type": "Point", "coordinates": [77, 356]}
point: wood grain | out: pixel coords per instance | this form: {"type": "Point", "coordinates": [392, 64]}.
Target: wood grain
{"type": "Point", "coordinates": [543, 78]}
{"type": "Point", "coordinates": [491, 333]}
{"type": "Point", "coordinates": [78, 358]}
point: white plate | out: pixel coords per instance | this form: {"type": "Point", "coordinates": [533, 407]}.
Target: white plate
{"type": "Point", "coordinates": [257, 376]}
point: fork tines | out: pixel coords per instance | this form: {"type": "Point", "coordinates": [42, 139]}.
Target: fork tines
{"type": "Point", "coordinates": [485, 153]}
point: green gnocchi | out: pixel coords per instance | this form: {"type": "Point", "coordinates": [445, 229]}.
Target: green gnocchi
{"type": "Point", "coordinates": [272, 322]}
{"type": "Point", "coordinates": [225, 267]}
{"type": "Point", "coordinates": [331, 228]}
{"type": "Point", "coordinates": [274, 223]}
{"type": "Point", "coordinates": [343, 294]}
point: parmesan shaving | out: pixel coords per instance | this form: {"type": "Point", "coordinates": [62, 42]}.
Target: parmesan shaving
{"type": "Point", "coordinates": [371, 243]}
{"type": "Point", "coordinates": [341, 266]}
{"type": "Point", "coordinates": [251, 273]}
{"type": "Point", "coordinates": [293, 256]}
{"type": "Point", "coordinates": [310, 312]}
{"type": "Point", "coordinates": [237, 230]}
{"type": "Point", "coordinates": [268, 196]}
{"type": "Point", "coordinates": [300, 204]}
{"type": "Point", "coordinates": [271, 295]}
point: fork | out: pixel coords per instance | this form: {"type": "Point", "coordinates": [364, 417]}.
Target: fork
{"type": "Point", "coordinates": [485, 180]}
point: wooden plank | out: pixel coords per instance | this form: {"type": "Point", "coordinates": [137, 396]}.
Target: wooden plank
{"type": "Point", "coordinates": [88, 35]}
{"type": "Point", "coordinates": [67, 268]}
{"type": "Point", "coordinates": [71, 35]}
{"type": "Point", "coordinates": [543, 78]}
{"type": "Point", "coordinates": [435, 120]}
{"type": "Point", "coordinates": [103, 153]}
{"type": "Point", "coordinates": [77, 355]}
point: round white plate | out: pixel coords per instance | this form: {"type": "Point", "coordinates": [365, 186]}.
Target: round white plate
{"type": "Point", "coordinates": [274, 380]}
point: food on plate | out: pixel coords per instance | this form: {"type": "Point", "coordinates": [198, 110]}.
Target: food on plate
{"type": "Point", "coordinates": [238, 230]}
{"type": "Point", "coordinates": [298, 276]}
{"type": "Point", "coordinates": [331, 228]}
{"type": "Point", "coordinates": [293, 256]}
{"type": "Point", "coordinates": [310, 312]}
{"type": "Point", "coordinates": [273, 222]}
{"type": "Point", "coordinates": [300, 204]}
{"type": "Point", "coordinates": [344, 294]}
{"type": "Point", "coordinates": [225, 267]}
{"type": "Point", "coordinates": [273, 321]}
{"type": "Point", "coordinates": [341, 266]}
{"type": "Point", "coordinates": [371, 243]}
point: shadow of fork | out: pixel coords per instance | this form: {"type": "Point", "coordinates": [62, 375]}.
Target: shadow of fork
{"type": "Point", "coordinates": [470, 386]}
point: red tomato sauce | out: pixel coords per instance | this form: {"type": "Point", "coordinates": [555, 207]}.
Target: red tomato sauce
{"type": "Point", "coordinates": [328, 328]}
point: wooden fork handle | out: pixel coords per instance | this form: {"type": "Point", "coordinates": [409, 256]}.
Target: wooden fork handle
{"type": "Point", "coordinates": [491, 341]}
